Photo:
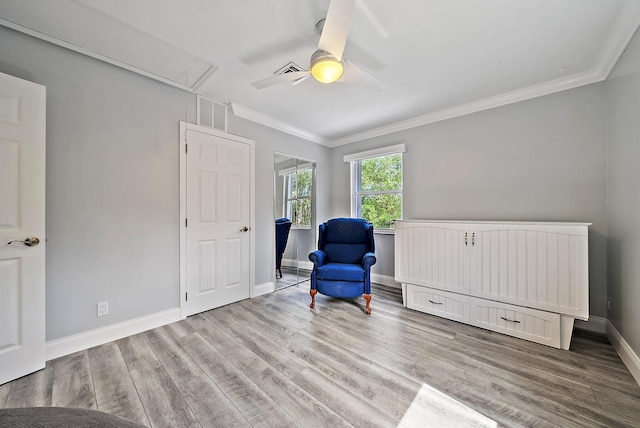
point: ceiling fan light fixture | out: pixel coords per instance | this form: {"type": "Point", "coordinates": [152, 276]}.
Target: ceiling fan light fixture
{"type": "Point", "coordinates": [326, 68]}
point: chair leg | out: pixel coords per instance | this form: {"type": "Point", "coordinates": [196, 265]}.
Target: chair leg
{"type": "Point", "coordinates": [313, 298]}
{"type": "Point", "coordinates": [280, 270]}
{"type": "Point", "coordinates": [367, 298]}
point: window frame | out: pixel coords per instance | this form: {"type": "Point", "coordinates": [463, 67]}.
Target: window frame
{"type": "Point", "coordinates": [287, 200]}
{"type": "Point", "coordinates": [355, 161]}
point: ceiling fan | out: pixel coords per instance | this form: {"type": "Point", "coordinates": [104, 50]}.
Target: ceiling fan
{"type": "Point", "coordinates": [327, 64]}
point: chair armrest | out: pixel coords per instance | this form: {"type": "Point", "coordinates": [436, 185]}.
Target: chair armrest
{"type": "Point", "coordinates": [318, 257]}
{"type": "Point", "coordinates": [368, 260]}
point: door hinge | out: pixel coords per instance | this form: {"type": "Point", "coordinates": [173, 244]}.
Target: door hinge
{"type": "Point", "coordinates": [186, 222]}
{"type": "Point", "coordinates": [186, 148]}
{"type": "Point", "coordinates": [186, 297]}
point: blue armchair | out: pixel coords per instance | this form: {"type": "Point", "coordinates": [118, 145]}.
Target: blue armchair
{"type": "Point", "coordinates": [283, 225]}
{"type": "Point", "coordinates": [342, 263]}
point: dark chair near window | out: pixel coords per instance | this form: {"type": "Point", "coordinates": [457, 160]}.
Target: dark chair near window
{"type": "Point", "coordinates": [342, 263]}
{"type": "Point", "coordinates": [283, 225]}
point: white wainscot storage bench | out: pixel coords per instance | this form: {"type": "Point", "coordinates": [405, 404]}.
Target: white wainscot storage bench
{"type": "Point", "coordinates": [525, 279]}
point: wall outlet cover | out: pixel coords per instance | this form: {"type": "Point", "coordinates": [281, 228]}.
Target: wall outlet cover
{"type": "Point", "coordinates": [103, 309]}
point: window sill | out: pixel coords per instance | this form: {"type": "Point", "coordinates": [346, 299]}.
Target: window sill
{"type": "Point", "coordinates": [300, 227]}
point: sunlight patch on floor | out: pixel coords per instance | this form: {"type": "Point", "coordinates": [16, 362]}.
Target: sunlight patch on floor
{"type": "Point", "coordinates": [432, 408]}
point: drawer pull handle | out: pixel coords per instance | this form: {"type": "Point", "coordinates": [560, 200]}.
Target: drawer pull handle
{"type": "Point", "coordinates": [513, 321]}
{"type": "Point", "coordinates": [435, 303]}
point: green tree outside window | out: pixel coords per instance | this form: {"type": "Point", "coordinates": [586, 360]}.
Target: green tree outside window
{"type": "Point", "coordinates": [378, 190]}
{"type": "Point", "coordinates": [299, 187]}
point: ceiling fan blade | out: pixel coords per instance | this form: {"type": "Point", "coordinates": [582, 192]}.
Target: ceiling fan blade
{"type": "Point", "coordinates": [336, 27]}
{"type": "Point", "coordinates": [360, 55]}
{"type": "Point", "coordinates": [302, 79]}
{"type": "Point", "coordinates": [280, 78]}
{"type": "Point", "coordinates": [354, 74]}
{"type": "Point", "coordinates": [373, 19]}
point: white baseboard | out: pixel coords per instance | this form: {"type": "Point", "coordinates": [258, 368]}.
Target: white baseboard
{"type": "Point", "coordinates": [267, 287]}
{"type": "Point", "coordinates": [595, 324]}
{"type": "Point", "coordinates": [88, 339]}
{"type": "Point", "coordinates": [302, 264]}
{"type": "Point", "coordinates": [99, 336]}
{"type": "Point", "coordinates": [389, 281]}
{"type": "Point", "coordinates": [628, 356]}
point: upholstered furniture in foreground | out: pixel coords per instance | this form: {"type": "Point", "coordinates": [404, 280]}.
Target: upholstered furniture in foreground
{"type": "Point", "coordinates": [61, 417]}
{"type": "Point", "coordinates": [342, 263]}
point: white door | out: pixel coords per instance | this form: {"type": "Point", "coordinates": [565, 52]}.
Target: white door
{"type": "Point", "coordinates": [22, 222]}
{"type": "Point", "coordinates": [217, 258]}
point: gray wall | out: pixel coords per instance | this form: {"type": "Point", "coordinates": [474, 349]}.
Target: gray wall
{"type": "Point", "coordinates": [113, 185]}
{"type": "Point", "coordinates": [540, 160]}
{"type": "Point", "coordinates": [623, 195]}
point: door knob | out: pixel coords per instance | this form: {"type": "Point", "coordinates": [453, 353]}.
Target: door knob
{"type": "Point", "coordinates": [31, 241]}
{"type": "Point", "coordinates": [244, 229]}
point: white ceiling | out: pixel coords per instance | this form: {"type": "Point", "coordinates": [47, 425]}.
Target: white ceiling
{"type": "Point", "coordinates": [438, 58]}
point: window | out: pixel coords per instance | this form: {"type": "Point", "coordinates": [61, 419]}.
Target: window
{"type": "Point", "coordinates": [297, 191]}
{"type": "Point", "coordinates": [376, 185]}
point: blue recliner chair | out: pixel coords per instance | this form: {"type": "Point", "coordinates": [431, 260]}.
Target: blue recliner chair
{"type": "Point", "coordinates": [283, 225]}
{"type": "Point", "coordinates": [342, 263]}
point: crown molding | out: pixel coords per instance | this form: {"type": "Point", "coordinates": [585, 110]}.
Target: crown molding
{"type": "Point", "coordinates": [210, 71]}
{"type": "Point", "coordinates": [572, 81]}
{"type": "Point", "coordinates": [595, 75]}
{"type": "Point", "coordinates": [523, 94]}
{"type": "Point", "coordinates": [619, 38]}
{"type": "Point", "coordinates": [263, 119]}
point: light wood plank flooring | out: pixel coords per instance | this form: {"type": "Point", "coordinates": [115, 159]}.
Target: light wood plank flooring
{"type": "Point", "coordinates": [273, 362]}
{"type": "Point", "coordinates": [292, 276]}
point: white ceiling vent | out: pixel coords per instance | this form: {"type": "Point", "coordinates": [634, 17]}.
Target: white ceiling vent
{"type": "Point", "coordinates": [211, 113]}
{"type": "Point", "coordinates": [292, 67]}
{"type": "Point", "coordinates": [289, 68]}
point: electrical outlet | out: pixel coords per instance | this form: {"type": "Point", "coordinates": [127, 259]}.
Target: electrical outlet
{"type": "Point", "coordinates": [103, 309]}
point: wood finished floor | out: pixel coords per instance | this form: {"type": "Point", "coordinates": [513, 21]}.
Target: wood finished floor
{"type": "Point", "coordinates": [272, 362]}
{"type": "Point", "coordinates": [291, 276]}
